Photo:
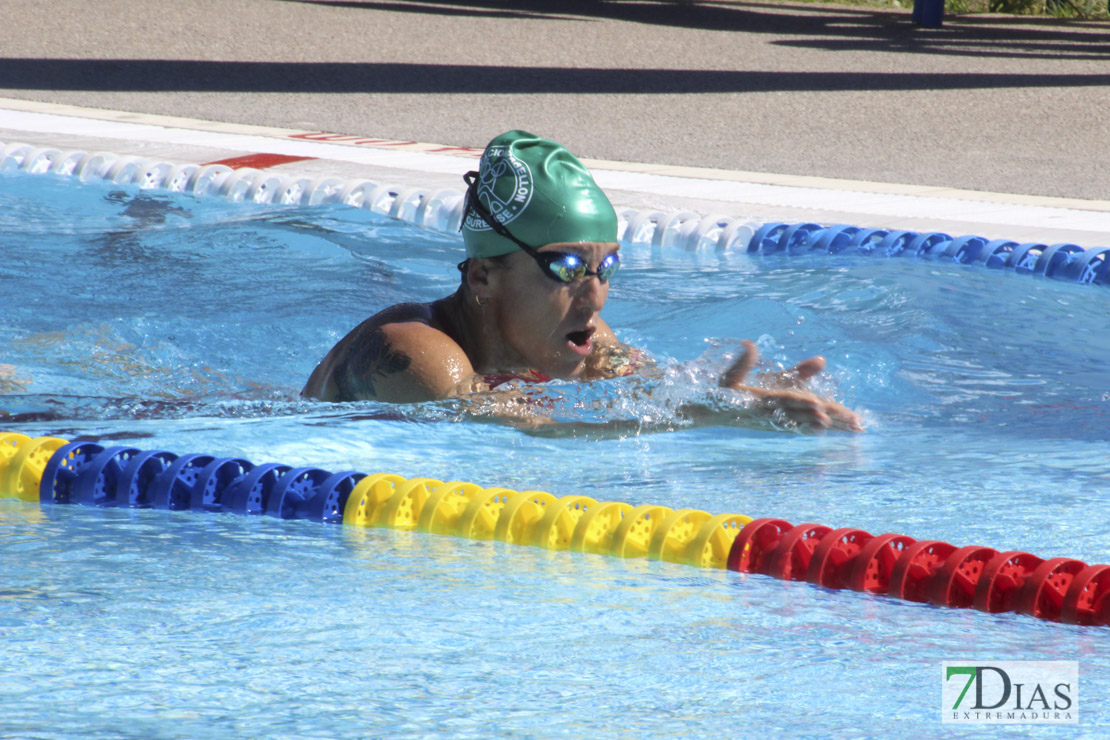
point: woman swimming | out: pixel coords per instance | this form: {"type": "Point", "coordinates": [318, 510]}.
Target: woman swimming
{"type": "Point", "coordinates": [541, 246]}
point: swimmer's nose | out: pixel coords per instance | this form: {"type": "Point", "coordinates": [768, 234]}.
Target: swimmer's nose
{"type": "Point", "coordinates": [591, 294]}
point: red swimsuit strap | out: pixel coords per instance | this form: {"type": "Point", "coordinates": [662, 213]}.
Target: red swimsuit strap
{"type": "Point", "coordinates": [531, 376]}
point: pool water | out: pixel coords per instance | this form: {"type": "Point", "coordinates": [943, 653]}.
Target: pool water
{"type": "Point", "coordinates": [172, 323]}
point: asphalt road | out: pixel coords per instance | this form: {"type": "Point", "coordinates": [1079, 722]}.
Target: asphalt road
{"type": "Point", "coordinates": [985, 103]}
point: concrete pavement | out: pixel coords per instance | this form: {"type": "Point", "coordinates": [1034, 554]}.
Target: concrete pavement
{"type": "Point", "coordinates": [985, 103]}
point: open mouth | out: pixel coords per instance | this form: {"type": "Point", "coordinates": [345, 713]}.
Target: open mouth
{"type": "Point", "coordinates": [579, 337]}
{"type": "Point", "coordinates": [580, 340]}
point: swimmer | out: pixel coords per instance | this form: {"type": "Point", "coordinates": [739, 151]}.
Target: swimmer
{"type": "Point", "coordinates": [541, 248]}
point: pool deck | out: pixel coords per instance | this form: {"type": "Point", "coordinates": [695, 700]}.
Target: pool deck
{"type": "Point", "coordinates": [991, 125]}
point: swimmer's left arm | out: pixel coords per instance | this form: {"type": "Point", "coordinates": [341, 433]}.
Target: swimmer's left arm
{"type": "Point", "coordinates": [782, 394]}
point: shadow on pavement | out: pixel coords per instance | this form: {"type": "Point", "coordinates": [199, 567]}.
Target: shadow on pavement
{"type": "Point", "coordinates": [839, 28]}
{"type": "Point", "coordinates": [157, 75]}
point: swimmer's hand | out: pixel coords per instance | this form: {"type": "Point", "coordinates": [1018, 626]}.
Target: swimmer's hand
{"type": "Point", "coordinates": [785, 393]}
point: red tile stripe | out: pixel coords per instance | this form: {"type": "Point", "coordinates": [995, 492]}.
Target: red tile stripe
{"type": "Point", "coordinates": [258, 161]}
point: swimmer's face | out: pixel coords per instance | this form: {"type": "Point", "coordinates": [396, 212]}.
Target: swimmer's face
{"type": "Point", "coordinates": [549, 325]}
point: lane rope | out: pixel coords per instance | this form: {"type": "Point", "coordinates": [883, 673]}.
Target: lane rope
{"type": "Point", "coordinates": [58, 472]}
{"type": "Point", "coordinates": [441, 211]}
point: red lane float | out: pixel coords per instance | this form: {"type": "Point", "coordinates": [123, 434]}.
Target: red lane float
{"type": "Point", "coordinates": [925, 571]}
{"type": "Point", "coordinates": [834, 556]}
{"type": "Point", "coordinates": [914, 571]}
{"type": "Point", "coordinates": [1043, 594]}
{"type": "Point", "coordinates": [958, 577]}
{"type": "Point", "coordinates": [1088, 598]}
{"type": "Point", "coordinates": [1002, 578]}
{"type": "Point", "coordinates": [756, 541]}
{"type": "Point", "coordinates": [790, 558]}
{"type": "Point", "coordinates": [875, 562]}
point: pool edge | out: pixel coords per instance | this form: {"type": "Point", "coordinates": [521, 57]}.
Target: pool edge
{"type": "Point", "coordinates": [763, 197]}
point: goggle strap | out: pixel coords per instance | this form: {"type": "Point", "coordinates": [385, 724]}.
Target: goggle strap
{"type": "Point", "coordinates": [473, 204]}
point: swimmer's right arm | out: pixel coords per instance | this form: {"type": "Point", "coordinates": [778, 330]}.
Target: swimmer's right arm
{"type": "Point", "coordinates": [411, 362]}
{"type": "Point", "coordinates": [399, 362]}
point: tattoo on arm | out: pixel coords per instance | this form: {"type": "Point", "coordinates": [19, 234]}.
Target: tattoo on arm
{"type": "Point", "coordinates": [377, 358]}
{"type": "Point", "coordinates": [616, 360]}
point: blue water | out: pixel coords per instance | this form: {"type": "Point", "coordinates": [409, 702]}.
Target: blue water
{"type": "Point", "coordinates": [190, 326]}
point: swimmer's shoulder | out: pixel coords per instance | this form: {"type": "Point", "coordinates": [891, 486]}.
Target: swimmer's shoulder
{"type": "Point", "coordinates": [403, 354]}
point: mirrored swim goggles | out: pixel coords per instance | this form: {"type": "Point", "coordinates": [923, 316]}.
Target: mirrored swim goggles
{"type": "Point", "coordinates": [563, 267]}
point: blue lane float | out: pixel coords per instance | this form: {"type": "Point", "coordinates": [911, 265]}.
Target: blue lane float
{"type": "Point", "coordinates": [88, 474]}
{"type": "Point", "coordinates": [1065, 261]}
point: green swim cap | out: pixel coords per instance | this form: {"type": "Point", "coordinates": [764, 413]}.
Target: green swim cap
{"type": "Point", "coordinates": [540, 192]}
